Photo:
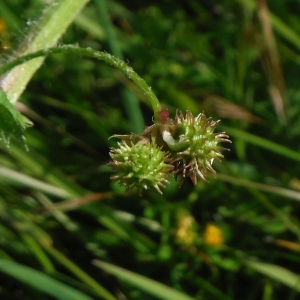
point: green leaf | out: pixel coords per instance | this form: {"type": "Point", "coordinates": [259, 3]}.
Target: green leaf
{"type": "Point", "coordinates": [45, 33]}
{"type": "Point", "coordinates": [277, 273]}
{"type": "Point", "coordinates": [77, 271]}
{"type": "Point", "coordinates": [41, 282]}
{"type": "Point", "coordinates": [12, 177]}
{"type": "Point", "coordinates": [262, 142]}
{"type": "Point", "coordinates": [11, 121]}
{"type": "Point", "coordinates": [150, 286]}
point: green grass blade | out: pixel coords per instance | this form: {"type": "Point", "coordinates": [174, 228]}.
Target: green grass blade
{"type": "Point", "coordinates": [131, 103]}
{"type": "Point", "coordinates": [16, 178]}
{"type": "Point", "coordinates": [41, 282]}
{"type": "Point", "coordinates": [282, 28]}
{"type": "Point", "coordinates": [45, 34]}
{"type": "Point", "coordinates": [263, 143]}
{"type": "Point", "coordinates": [38, 252]}
{"type": "Point", "coordinates": [79, 273]}
{"type": "Point", "coordinates": [277, 273]}
{"type": "Point", "coordinates": [285, 31]}
{"type": "Point", "coordinates": [279, 26]}
{"type": "Point", "coordinates": [101, 5]}
{"type": "Point", "coordinates": [91, 26]}
{"type": "Point", "coordinates": [294, 195]}
{"type": "Point", "coordinates": [150, 286]}
{"type": "Point", "coordinates": [127, 233]}
{"type": "Point", "coordinates": [212, 289]}
{"type": "Point", "coordinates": [40, 167]}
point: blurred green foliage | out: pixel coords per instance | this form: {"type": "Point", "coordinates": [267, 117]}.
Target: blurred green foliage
{"type": "Point", "coordinates": [236, 237]}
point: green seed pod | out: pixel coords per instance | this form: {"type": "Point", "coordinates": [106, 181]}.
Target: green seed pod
{"type": "Point", "coordinates": [140, 165]}
{"type": "Point", "coordinates": [195, 145]}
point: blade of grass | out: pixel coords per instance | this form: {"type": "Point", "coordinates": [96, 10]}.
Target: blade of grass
{"type": "Point", "coordinates": [285, 218]}
{"type": "Point", "coordinates": [285, 31]}
{"type": "Point", "coordinates": [268, 291]}
{"type": "Point", "coordinates": [131, 103]}
{"type": "Point", "coordinates": [37, 118]}
{"type": "Point", "coordinates": [79, 273]}
{"type": "Point", "coordinates": [53, 208]}
{"type": "Point", "coordinates": [40, 281]}
{"type": "Point", "coordinates": [147, 285]}
{"type": "Point", "coordinates": [277, 273]}
{"type": "Point", "coordinates": [263, 143]}
{"type": "Point", "coordinates": [44, 34]}
{"type": "Point", "coordinates": [16, 178]}
{"type": "Point", "coordinates": [58, 214]}
{"type": "Point", "coordinates": [40, 167]}
{"type": "Point", "coordinates": [140, 241]}
{"type": "Point", "coordinates": [272, 63]}
{"type": "Point", "coordinates": [91, 26]}
{"type": "Point", "coordinates": [21, 221]}
{"type": "Point", "coordinates": [39, 253]}
{"type": "Point", "coordinates": [294, 195]}
{"type": "Point", "coordinates": [282, 28]}
{"type": "Point", "coordinates": [4, 255]}
{"type": "Point", "coordinates": [215, 292]}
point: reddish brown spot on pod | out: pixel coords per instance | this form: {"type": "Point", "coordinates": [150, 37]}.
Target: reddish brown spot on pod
{"type": "Point", "coordinates": [164, 115]}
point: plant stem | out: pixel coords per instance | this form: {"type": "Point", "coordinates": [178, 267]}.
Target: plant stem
{"type": "Point", "coordinates": [131, 103]}
{"type": "Point", "coordinates": [103, 56]}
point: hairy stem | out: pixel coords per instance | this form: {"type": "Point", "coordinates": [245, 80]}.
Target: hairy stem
{"type": "Point", "coordinates": [88, 52]}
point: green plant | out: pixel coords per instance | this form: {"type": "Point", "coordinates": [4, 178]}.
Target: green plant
{"type": "Point", "coordinates": [78, 234]}
{"type": "Point", "coordinates": [187, 145]}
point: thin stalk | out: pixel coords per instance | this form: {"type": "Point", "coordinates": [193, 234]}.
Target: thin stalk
{"type": "Point", "coordinates": [279, 191]}
{"type": "Point", "coordinates": [263, 143]}
{"type": "Point", "coordinates": [88, 52]}
{"type": "Point", "coordinates": [38, 252]}
{"type": "Point", "coordinates": [79, 273]}
{"type": "Point", "coordinates": [131, 103]}
{"type": "Point", "coordinates": [108, 28]}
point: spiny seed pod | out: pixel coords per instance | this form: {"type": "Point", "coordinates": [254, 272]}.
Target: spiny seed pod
{"type": "Point", "coordinates": [140, 165]}
{"type": "Point", "coordinates": [194, 145]}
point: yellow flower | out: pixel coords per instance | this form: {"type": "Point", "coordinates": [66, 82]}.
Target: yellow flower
{"type": "Point", "coordinates": [213, 235]}
{"type": "Point", "coordinates": [2, 25]}
{"type": "Point", "coordinates": [185, 232]}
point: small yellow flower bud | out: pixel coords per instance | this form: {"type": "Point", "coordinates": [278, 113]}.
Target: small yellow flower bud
{"type": "Point", "coordinates": [213, 235]}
